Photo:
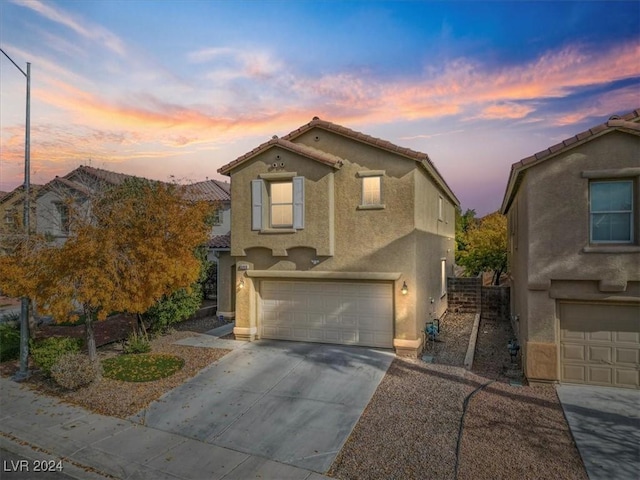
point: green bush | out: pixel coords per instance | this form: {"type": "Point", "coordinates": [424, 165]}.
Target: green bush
{"type": "Point", "coordinates": [75, 370]}
{"type": "Point", "coordinates": [137, 344]}
{"type": "Point", "coordinates": [45, 353]}
{"type": "Point", "coordinates": [9, 343]}
{"type": "Point", "coordinates": [175, 308]}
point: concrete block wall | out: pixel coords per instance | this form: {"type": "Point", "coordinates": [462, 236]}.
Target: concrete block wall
{"type": "Point", "coordinates": [495, 302]}
{"type": "Point", "coordinates": [468, 295]}
{"type": "Point", "coordinates": [464, 294]}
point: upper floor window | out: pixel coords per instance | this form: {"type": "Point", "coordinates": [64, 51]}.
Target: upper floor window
{"type": "Point", "coordinates": [611, 211]}
{"type": "Point", "coordinates": [277, 203]}
{"type": "Point", "coordinates": [371, 185]}
{"type": "Point", "coordinates": [281, 204]}
{"type": "Point", "coordinates": [217, 217]}
{"type": "Point", "coordinates": [10, 216]}
{"type": "Point", "coordinates": [63, 211]}
{"type": "Point", "coordinates": [440, 208]}
{"type": "Point", "coordinates": [371, 193]}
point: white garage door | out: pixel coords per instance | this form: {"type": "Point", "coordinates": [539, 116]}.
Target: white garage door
{"type": "Point", "coordinates": [600, 344]}
{"type": "Point", "coordinates": [327, 312]}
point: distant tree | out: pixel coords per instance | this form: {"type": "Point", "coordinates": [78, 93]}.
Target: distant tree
{"type": "Point", "coordinates": [464, 221]}
{"type": "Point", "coordinates": [486, 246]}
{"type": "Point", "coordinates": [136, 246]}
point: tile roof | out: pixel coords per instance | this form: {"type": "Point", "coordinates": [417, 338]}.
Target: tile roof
{"type": "Point", "coordinates": [629, 122]}
{"type": "Point", "coordinates": [209, 190]}
{"type": "Point", "coordinates": [35, 188]}
{"type": "Point", "coordinates": [286, 142]}
{"type": "Point", "coordinates": [220, 241]}
{"type": "Point", "coordinates": [107, 176]}
{"type": "Point", "coordinates": [313, 153]}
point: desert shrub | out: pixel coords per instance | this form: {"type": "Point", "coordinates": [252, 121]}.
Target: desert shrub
{"type": "Point", "coordinates": [174, 308]}
{"type": "Point", "coordinates": [45, 353]}
{"type": "Point", "coordinates": [137, 343]}
{"type": "Point", "coordinates": [9, 342]}
{"type": "Point", "coordinates": [75, 370]}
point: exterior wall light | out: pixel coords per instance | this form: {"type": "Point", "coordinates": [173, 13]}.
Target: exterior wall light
{"type": "Point", "coordinates": [404, 288]}
{"type": "Point", "coordinates": [241, 283]}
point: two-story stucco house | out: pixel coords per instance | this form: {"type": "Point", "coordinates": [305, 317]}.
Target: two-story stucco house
{"type": "Point", "coordinates": [11, 215]}
{"type": "Point", "coordinates": [339, 237]}
{"type": "Point", "coordinates": [574, 236]}
{"type": "Point", "coordinates": [77, 187]}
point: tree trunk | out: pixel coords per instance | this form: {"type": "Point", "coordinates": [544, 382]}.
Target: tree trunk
{"type": "Point", "coordinates": [91, 339]}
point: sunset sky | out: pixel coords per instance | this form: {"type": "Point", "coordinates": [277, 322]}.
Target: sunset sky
{"type": "Point", "coordinates": [183, 87]}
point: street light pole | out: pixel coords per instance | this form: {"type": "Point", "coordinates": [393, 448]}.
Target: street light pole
{"type": "Point", "coordinates": [23, 373]}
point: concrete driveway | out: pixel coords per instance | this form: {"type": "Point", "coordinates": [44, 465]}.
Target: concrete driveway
{"type": "Point", "coordinates": [605, 423]}
{"type": "Point", "coordinates": [291, 402]}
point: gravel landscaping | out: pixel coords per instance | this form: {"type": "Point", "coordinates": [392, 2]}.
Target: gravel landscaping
{"type": "Point", "coordinates": [411, 427]}
{"type": "Point", "coordinates": [123, 399]}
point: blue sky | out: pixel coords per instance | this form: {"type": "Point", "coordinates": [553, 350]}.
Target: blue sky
{"type": "Point", "coordinates": [181, 88]}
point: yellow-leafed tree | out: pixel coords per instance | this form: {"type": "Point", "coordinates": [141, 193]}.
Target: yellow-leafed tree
{"type": "Point", "coordinates": [486, 246]}
{"type": "Point", "coordinates": [137, 244]}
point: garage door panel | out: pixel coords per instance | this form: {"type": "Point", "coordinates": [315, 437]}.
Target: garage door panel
{"type": "Point", "coordinates": [628, 337]}
{"type": "Point", "coordinates": [600, 344]}
{"type": "Point", "coordinates": [574, 373]}
{"type": "Point", "coordinates": [599, 337]}
{"type": "Point", "coordinates": [628, 356]}
{"type": "Point", "coordinates": [627, 377]}
{"type": "Point", "coordinates": [573, 352]}
{"type": "Point", "coordinates": [600, 354]}
{"type": "Point", "coordinates": [329, 312]}
{"type": "Point", "coordinates": [600, 375]}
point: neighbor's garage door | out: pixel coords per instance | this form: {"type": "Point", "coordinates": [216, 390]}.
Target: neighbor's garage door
{"type": "Point", "coordinates": [327, 312]}
{"type": "Point", "coordinates": [600, 344]}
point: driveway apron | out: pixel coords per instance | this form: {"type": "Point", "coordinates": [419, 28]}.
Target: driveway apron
{"type": "Point", "coordinates": [605, 424]}
{"type": "Point", "coordinates": [292, 402]}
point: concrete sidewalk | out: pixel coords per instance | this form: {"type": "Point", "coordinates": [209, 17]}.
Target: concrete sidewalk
{"type": "Point", "coordinates": [93, 446]}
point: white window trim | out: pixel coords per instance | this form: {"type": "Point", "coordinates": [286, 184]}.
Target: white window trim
{"type": "Point", "coordinates": [443, 277]}
{"type": "Point", "coordinates": [272, 225]}
{"type": "Point", "coordinates": [440, 208]}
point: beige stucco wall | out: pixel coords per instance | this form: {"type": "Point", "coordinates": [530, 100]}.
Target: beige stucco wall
{"type": "Point", "coordinates": [553, 259]}
{"type": "Point", "coordinates": [401, 238]}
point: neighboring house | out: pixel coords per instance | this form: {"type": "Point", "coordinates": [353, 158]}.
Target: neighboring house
{"type": "Point", "coordinates": [219, 245]}
{"type": "Point", "coordinates": [339, 237]}
{"type": "Point", "coordinates": [574, 244]}
{"type": "Point", "coordinates": [12, 214]}
{"type": "Point", "coordinates": [77, 187]}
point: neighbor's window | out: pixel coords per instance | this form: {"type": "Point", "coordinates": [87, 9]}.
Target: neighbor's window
{"type": "Point", "coordinates": [63, 211]}
{"type": "Point", "coordinates": [10, 216]}
{"type": "Point", "coordinates": [217, 217]}
{"type": "Point", "coordinates": [281, 204]}
{"type": "Point", "coordinates": [611, 209]}
{"type": "Point", "coordinates": [371, 194]}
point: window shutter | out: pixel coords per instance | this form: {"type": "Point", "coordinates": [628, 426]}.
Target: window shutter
{"type": "Point", "coordinates": [298, 202]}
{"type": "Point", "coordinates": [256, 204]}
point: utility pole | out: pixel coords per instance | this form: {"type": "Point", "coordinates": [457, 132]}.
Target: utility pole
{"type": "Point", "coordinates": [23, 373]}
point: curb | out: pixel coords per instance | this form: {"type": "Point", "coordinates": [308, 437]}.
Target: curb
{"type": "Point", "coordinates": [15, 445]}
{"type": "Point", "coordinates": [471, 349]}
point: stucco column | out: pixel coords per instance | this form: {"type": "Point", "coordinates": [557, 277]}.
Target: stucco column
{"type": "Point", "coordinates": [246, 325]}
{"type": "Point", "coordinates": [541, 360]}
